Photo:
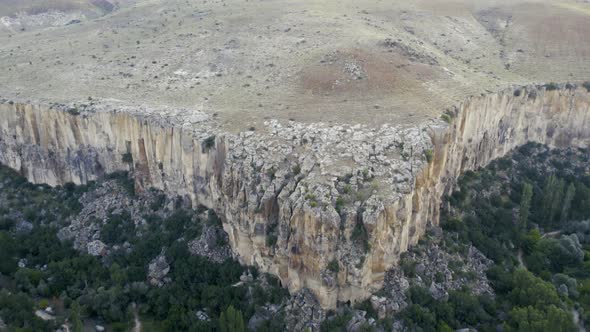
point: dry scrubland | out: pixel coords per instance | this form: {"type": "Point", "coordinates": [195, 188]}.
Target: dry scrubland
{"type": "Point", "coordinates": [332, 61]}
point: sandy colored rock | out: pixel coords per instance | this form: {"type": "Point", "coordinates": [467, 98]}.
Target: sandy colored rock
{"type": "Point", "coordinates": [309, 185]}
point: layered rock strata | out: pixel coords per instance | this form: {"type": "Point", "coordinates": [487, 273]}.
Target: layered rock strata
{"type": "Point", "coordinates": [324, 207]}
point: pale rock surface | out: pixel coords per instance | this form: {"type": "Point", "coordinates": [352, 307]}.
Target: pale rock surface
{"type": "Point", "coordinates": [157, 271]}
{"type": "Point", "coordinates": [208, 245]}
{"type": "Point", "coordinates": [96, 248]}
{"type": "Point", "coordinates": [303, 311]}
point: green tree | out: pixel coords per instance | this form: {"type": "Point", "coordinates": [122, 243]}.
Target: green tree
{"type": "Point", "coordinates": [552, 197]}
{"type": "Point", "coordinates": [531, 319]}
{"type": "Point", "coordinates": [525, 204]}
{"type": "Point", "coordinates": [529, 290]}
{"type": "Point", "coordinates": [444, 327]}
{"type": "Point", "coordinates": [567, 202]}
{"type": "Point", "coordinates": [7, 251]}
{"type": "Point", "coordinates": [75, 317]}
{"type": "Point", "coordinates": [529, 241]}
{"type": "Point", "coordinates": [416, 316]}
{"type": "Point", "coordinates": [118, 274]}
{"type": "Point", "coordinates": [17, 310]}
{"type": "Point", "coordinates": [334, 266]}
{"type": "Point", "coordinates": [231, 320]}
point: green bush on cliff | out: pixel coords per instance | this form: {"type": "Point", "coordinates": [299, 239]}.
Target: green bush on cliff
{"type": "Point", "coordinates": [360, 236]}
{"type": "Point", "coordinates": [446, 118]}
{"type": "Point", "coordinates": [271, 240]}
{"type": "Point", "coordinates": [127, 158]}
{"type": "Point", "coordinates": [429, 154]}
{"type": "Point", "coordinates": [73, 111]}
{"type": "Point", "coordinates": [209, 143]}
{"type": "Point", "coordinates": [551, 86]}
{"type": "Point", "coordinates": [334, 266]}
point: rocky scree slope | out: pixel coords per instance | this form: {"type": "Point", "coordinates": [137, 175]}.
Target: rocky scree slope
{"type": "Point", "coordinates": [324, 207]}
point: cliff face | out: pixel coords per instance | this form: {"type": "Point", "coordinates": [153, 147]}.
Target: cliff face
{"type": "Point", "coordinates": [329, 208]}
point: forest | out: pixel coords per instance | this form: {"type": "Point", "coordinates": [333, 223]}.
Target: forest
{"type": "Point", "coordinates": [112, 289]}
{"type": "Point", "coordinates": [528, 212]}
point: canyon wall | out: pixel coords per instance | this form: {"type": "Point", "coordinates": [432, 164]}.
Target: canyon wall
{"type": "Point", "coordinates": [325, 207]}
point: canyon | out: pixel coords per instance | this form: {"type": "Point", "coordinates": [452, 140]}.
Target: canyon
{"type": "Point", "coordinates": [324, 134]}
{"type": "Point", "coordinates": [327, 207]}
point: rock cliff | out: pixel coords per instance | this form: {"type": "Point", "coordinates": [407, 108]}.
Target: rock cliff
{"type": "Point", "coordinates": [324, 207]}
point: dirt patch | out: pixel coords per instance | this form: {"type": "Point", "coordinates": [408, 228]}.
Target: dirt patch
{"type": "Point", "coordinates": [360, 72]}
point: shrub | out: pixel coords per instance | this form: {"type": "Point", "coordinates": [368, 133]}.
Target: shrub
{"type": "Point", "coordinates": [334, 266]}
{"type": "Point", "coordinates": [271, 236]}
{"type": "Point", "coordinates": [271, 240]}
{"type": "Point", "coordinates": [359, 234]}
{"type": "Point", "coordinates": [43, 303]}
{"type": "Point", "coordinates": [312, 200]}
{"type": "Point", "coordinates": [124, 180]}
{"type": "Point", "coordinates": [347, 189]}
{"type": "Point", "coordinates": [231, 320]}
{"type": "Point", "coordinates": [429, 154]}
{"type": "Point", "coordinates": [209, 143]}
{"type": "Point", "coordinates": [296, 169]}
{"type": "Point", "coordinates": [337, 323]}
{"type": "Point", "coordinates": [446, 118]}
{"type": "Point", "coordinates": [346, 178]}
{"type": "Point", "coordinates": [127, 157]}
{"type": "Point", "coordinates": [367, 307]}
{"type": "Point", "coordinates": [517, 93]}
{"type": "Point", "coordinates": [409, 268]}
{"type": "Point", "coordinates": [213, 219]}
{"type": "Point", "coordinates": [365, 174]}
{"type": "Point", "coordinates": [586, 85]}
{"type": "Point", "coordinates": [339, 204]}
{"type": "Point", "coordinates": [551, 86]}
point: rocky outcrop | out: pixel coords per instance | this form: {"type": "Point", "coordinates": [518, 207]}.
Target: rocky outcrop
{"type": "Point", "coordinates": [96, 248]}
{"type": "Point", "coordinates": [212, 243]}
{"type": "Point", "coordinates": [303, 311]}
{"type": "Point", "coordinates": [324, 207]}
{"type": "Point", "coordinates": [431, 265]}
{"type": "Point", "coordinates": [157, 271]}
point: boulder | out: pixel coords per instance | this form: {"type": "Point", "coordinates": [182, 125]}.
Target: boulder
{"type": "Point", "coordinates": [157, 270]}
{"type": "Point", "coordinates": [212, 243]}
{"type": "Point", "coordinates": [23, 227]}
{"type": "Point", "coordinates": [303, 311]}
{"type": "Point", "coordinates": [96, 248]}
{"type": "Point", "coordinates": [202, 316]}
